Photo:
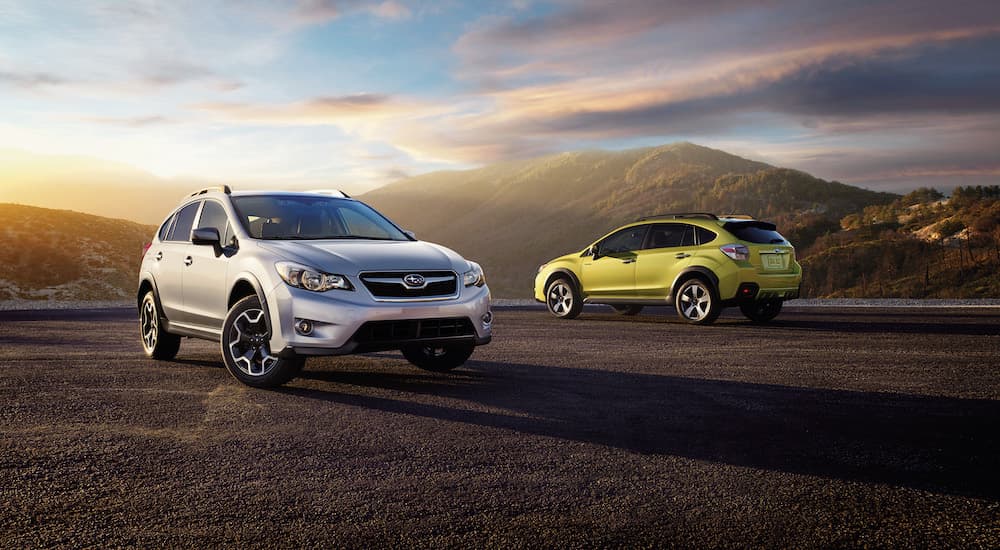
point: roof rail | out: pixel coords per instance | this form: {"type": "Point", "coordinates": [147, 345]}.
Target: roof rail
{"type": "Point", "coordinates": [332, 192]}
{"type": "Point", "coordinates": [677, 215]}
{"type": "Point", "coordinates": [220, 188]}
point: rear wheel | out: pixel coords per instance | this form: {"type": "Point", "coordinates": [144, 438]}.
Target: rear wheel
{"type": "Point", "coordinates": [156, 341]}
{"type": "Point", "coordinates": [697, 302]}
{"type": "Point", "coordinates": [626, 310]}
{"type": "Point", "coordinates": [436, 357]}
{"type": "Point", "coordinates": [246, 349]}
{"type": "Point", "coordinates": [562, 299]}
{"type": "Point", "coordinates": [761, 311]}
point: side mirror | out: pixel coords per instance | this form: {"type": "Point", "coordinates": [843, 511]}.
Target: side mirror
{"type": "Point", "coordinates": [207, 236]}
{"type": "Point", "coordinates": [410, 234]}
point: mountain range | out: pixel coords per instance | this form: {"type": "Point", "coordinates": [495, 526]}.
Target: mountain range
{"type": "Point", "coordinates": [513, 216]}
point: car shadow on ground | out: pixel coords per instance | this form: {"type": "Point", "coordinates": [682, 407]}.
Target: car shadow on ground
{"type": "Point", "coordinates": [943, 445]}
{"type": "Point", "coordinates": [932, 323]}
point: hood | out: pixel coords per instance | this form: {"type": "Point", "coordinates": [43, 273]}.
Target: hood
{"type": "Point", "coordinates": [350, 257]}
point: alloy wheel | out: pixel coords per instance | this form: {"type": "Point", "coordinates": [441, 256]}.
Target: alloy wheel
{"type": "Point", "coordinates": [248, 343]}
{"type": "Point", "coordinates": [148, 325]}
{"type": "Point", "coordinates": [696, 302]}
{"type": "Point", "coordinates": [560, 298]}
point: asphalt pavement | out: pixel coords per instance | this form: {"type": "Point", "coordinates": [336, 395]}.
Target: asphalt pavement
{"type": "Point", "coordinates": [830, 427]}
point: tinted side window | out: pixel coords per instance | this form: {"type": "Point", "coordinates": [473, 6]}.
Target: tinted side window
{"type": "Point", "coordinates": [181, 231]}
{"type": "Point", "coordinates": [671, 235]}
{"type": "Point", "coordinates": [625, 240]}
{"type": "Point", "coordinates": [704, 235]}
{"type": "Point", "coordinates": [756, 232]}
{"type": "Point", "coordinates": [166, 227]}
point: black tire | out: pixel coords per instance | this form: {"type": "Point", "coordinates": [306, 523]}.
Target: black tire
{"type": "Point", "coordinates": [761, 311]}
{"type": "Point", "coordinates": [438, 358]}
{"type": "Point", "coordinates": [697, 302]}
{"type": "Point", "coordinates": [627, 310]}
{"type": "Point", "coordinates": [245, 349]}
{"type": "Point", "coordinates": [156, 341]}
{"type": "Point", "coordinates": [563, 299]}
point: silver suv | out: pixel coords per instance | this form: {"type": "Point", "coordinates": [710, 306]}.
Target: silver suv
{"type": "Point", "coordinates": [278, 276]}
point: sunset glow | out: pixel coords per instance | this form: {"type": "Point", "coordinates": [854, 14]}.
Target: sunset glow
{"type": "Point", "coordinates": [889, 95]}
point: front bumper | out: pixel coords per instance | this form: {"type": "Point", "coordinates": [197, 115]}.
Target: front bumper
{"type": "Point", "coordinates": [338, 317]}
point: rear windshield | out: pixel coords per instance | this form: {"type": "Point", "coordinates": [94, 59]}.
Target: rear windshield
{"type": "Point", "coordinates": [755, 232]}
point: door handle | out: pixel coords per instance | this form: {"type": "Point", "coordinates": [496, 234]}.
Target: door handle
{"type": "Point", "coordinates": [188, 261]}
{"type": "Point", "coordinates": [159, 256]}
{"type": "Point", "coordinates": [682, 255]}
{"type": "Point", "coordinates": [628, 261]}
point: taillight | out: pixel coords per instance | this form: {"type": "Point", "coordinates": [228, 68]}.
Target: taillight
{"type": "Point", "coordinates": [737, 252]}
{"type": "Point", "coordinates": [145, 248]}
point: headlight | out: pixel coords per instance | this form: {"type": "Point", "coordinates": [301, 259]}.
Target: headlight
{"type": "Point", "coordinates": [474, 276]}
{"type": "Point", "coordinates": [301, 276]}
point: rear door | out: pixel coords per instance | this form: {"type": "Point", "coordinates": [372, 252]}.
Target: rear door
{"type": "Point", "coordinates": [667, 251]}
{"type": "Point", "coordinates": [612, 273]}
{"type": "Point", "coordinates": [170, 263]}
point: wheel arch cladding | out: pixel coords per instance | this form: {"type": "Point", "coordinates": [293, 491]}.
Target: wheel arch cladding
{"type": "Point", "coordinates": [241, 289]}
{"type": "Point", "coordinates": [693, 273]}
{"type": "Point", "coordinates": [563, 274]}
{"type": "Point", "coordinates": [145, 286]}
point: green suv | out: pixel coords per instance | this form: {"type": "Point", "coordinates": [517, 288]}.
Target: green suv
{"type": "Point", "coordinates": [697, 262]}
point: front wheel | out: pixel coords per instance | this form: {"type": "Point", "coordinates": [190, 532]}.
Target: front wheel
{"type": "Point", "coordinates": [156, 341]}
{"type": "Point", "coordinates": [761, 311]}
{"type": "Point", "coordinates": [562, 299]}
{"type": "Point", "coordinates": [438, 358]}
{"type": "Point", "coordinates": [697, 302]}
{"type": "Point", "coordinates": [246, 348]}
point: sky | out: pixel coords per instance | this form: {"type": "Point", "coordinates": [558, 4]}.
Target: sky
{"type": "Point", "coordinates": [354, 94]}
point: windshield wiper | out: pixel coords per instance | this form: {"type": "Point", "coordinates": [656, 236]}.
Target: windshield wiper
{"type": "Point", "coordinates": [354, 237]}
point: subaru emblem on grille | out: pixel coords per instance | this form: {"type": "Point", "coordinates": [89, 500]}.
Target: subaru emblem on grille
{"type": "Point", "coordinates": [414, 280]}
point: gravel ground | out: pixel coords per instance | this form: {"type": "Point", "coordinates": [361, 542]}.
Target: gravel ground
{"type": "Point", "coordinates": [832, 427]}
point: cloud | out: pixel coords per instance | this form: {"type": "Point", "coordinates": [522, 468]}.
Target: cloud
{"type": "Point", "coordinates": [327, 110]}
{"type": "Point", "coordinates": [132, 122]}
{"type": "Point", "coordinates": [30, 80]}
{"type": "Point", "coordinates": [318, 12]}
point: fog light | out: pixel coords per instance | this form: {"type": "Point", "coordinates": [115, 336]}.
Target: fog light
{"type": "Point", "coordinates": [487, 318]}
{"type": "Point", "coordinates": [303, 326]}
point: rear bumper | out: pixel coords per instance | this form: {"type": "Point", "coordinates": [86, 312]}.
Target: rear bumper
{"type": "Point", "coordinates": [783, 286]}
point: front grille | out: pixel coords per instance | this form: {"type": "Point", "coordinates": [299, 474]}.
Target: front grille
{"type": "Point", "coordinates": [378, 332]}
{"type": "Point", "coordinates": [389, 285]}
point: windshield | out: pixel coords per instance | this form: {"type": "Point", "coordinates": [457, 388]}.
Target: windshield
{"type": "Point", "coordinates": [285, 217]}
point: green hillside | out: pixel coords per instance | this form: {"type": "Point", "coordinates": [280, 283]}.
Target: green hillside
{"type": "Point", "coordinates": [919, 246]}
{"type": "Point", "coordinates": [67, 256]}
{"type": "Point", "coordinates": [513, 216]}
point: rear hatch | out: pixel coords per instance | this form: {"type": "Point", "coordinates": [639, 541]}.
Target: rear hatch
{"type": "Point", "coordinates": [770, 253]}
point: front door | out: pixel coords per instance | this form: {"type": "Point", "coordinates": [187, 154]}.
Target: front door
{"type": "Point", "coordinates": [205, 272]}
{"type": "Point", "coordinates": [610, 270]}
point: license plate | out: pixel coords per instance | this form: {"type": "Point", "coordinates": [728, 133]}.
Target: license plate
{"type": "Point", "coordinates": [773, 261]}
